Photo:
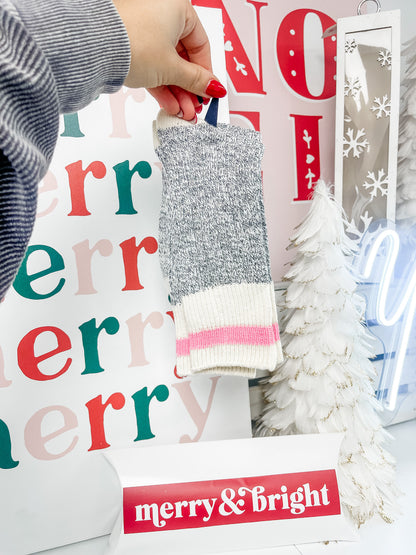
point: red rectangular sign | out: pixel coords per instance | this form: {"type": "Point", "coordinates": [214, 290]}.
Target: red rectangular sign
{"type": "Point", "coordinates": [230, 501]}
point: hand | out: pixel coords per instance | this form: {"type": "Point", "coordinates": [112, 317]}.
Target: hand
{"type": "Point", "coordinates": [170, 54]}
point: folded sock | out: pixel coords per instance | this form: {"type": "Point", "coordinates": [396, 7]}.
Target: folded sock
{"type": "Point", "coordinates": [213, 248]}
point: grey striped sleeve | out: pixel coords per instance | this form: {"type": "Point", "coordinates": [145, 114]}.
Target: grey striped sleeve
{"type": "Point", "coordinates": [55, 56]}
{"type": "Point", "coordinates": [85, 43]}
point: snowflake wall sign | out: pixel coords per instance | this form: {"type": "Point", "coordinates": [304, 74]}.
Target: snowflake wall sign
{"type": "Point", "coordinates": [367, 113]}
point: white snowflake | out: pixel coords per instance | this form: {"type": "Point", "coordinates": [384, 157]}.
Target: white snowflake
{"type": "Point", "coordinates": [355, 144]}
{"type": "Point", "coordinates": [384, 58]}
{"type": "Point", "coordinates": [352, 86]}
{"type": "Point", "coordinates": [350, 46]}
{"type": "Point", "coordinates": [381, 107]}
{"type": "Point", "coordinates": [376, 184]}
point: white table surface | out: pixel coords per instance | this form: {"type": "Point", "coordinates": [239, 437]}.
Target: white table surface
{"type": "Point", "coordinates": [375, 537]}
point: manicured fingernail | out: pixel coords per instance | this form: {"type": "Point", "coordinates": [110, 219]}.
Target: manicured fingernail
{"type": "Point", "coordinates": [206, 101]}
{"type": "Point", "coordinates": [198, 109]}
{"type": "Point", "coordinates": [194, 120]}
{"type": "Point", "coordinates": [179, 114]}
{"type": "Point", "coordinates": [215, 89]}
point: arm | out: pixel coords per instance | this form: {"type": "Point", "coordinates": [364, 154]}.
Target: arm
{"type": "Point", "coordinates": [54, 57]}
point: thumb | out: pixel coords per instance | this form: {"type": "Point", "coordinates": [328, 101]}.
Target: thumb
{"type": "Point", "coordinates": [196, 79]}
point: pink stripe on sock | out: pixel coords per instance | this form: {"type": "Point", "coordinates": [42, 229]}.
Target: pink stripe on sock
{"type": "Point", "coordinates": [228, 335]}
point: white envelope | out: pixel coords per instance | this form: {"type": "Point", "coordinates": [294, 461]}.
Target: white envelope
{"type": "Point", "coordinates": [222, 496]}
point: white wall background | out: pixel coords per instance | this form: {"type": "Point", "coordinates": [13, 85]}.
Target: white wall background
{"type": "Point", "coordinates": [408, 13]}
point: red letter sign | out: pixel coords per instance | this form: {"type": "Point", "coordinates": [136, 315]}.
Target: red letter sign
{"type": "Point", "coordinates": [291, 54]}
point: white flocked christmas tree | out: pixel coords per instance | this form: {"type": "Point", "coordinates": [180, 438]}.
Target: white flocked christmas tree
{"type": "Point", "coordinates": [326, 383]}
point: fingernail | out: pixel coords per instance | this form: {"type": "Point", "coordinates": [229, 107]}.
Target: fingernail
{"type": "Point", "coordinates": [194, 120]}
{"type": "Point", "coordinates": [215, 89]}
{"type": "Point", "coordinates": [179, 114]}
{"type": "Point", "coordinates": [198, 109]}
{"type": "Point", "coordinates": [206, 101]}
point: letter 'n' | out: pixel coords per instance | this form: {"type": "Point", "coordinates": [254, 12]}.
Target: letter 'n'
{"type": "Point", "coordinates": [239, 67]}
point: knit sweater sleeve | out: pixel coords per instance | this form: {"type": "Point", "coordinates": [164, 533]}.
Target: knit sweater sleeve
{"type": "Point", "coordinates": [56, 56]}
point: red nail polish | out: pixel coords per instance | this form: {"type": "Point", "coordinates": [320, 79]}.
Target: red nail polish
{"type": "Point", "coordinates": [215, 89]}
{"type": "Point", "coordinates": [198, 109]}
{"type": "Point", "coordinates": [206, 101]}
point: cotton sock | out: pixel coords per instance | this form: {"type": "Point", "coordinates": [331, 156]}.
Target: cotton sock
{"type": "Point", "coordinates": [213, 248]}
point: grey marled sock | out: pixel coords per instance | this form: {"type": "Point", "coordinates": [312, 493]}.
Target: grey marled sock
{"type": "Point", "coordinates": [213, 248]}
{"type": "Point", "coordinates": [212, 229]}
